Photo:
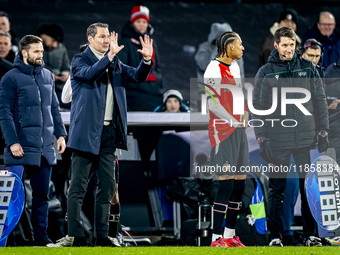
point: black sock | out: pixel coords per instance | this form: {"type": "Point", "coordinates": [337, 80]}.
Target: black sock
{"type": "Point", "coordinates": [235, 203]}
{"type": "Point", "coordinates": [224, 190]}
{"type": "Point", "coordinates": [114, 219]}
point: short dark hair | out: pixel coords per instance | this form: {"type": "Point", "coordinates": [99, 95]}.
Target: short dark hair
{"type": "Point", "coordinates": [92, 29]}
{"type": "Point", "coordinates": [223, 40]}
{"type": "Point", "coordinates": [312, 44]}
{"type": "Point", "coordinates": [3, 14]}
{"type": "Point", "coordinates": [3, 33]}
{"type": "Point", "coordinates": [27, 40]}
{"type": "Point", "coordinates": [284, 32]}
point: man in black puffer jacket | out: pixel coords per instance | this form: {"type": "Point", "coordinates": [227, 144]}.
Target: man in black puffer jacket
{"type": "Point", "coordinates": [292, 128]}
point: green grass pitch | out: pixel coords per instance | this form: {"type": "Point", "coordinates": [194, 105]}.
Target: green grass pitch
{"type": "Point", "coordinates": [171, 250]}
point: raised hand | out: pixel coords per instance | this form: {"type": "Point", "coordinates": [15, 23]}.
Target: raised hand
{"type": "Point", "coordinates": [147, 49]}
{"type": "Point", "coordinates": [114, 48]}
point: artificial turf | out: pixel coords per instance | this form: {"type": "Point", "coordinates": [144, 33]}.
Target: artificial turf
{"type": "Point", "coordinates": [171, 250]}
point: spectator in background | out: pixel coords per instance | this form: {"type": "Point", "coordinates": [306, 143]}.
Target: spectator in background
{"type": "Point", "coordinates": [288, 18]}
{"type": "Point", "coordinates": [6, 64]}
{"type": "Point", "coordinates": [324, 31]}
{"type": "Point", "coordinates": [5, 25]}
{"type": "Point", "coordinates": [207, 51]}
{"type": "Point", "coordinates": [172, 102]}
{"type": "Point", "coordinates": [313, 50]}
{"type": "Point", "coordinates": [143, 96]}
{"type": "Point", "coordinates": [55, 56]}
{"type": "Point", "coordinates": [6, 53]}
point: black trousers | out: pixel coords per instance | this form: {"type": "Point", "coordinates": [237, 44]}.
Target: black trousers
{"type": "Point", "coordinates": [277, 185]}
{"type": "Point", "coordinates": [103, 166]}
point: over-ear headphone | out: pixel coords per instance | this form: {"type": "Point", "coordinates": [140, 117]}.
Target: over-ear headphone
{"type": "Point", "coordinates": [313, 42]}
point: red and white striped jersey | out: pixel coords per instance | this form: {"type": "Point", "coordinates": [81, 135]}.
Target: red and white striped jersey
{"type": "Point", "coordinates": [220, 73]}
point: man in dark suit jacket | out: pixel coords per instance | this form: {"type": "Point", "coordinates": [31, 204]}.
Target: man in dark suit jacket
{"type": "Point", "coordinates": [98, 123]}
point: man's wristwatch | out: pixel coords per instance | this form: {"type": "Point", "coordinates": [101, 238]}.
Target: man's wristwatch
{"type": "Point", "coordinates": [323, 133]}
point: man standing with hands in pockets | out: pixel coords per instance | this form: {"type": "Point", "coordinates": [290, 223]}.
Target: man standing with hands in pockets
{"type": "Point", "coordinates": [98, 123]}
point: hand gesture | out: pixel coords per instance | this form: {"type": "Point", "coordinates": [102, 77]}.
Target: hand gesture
{"type": "Point", "coordinates": [114, 48]}
{"type": "Point", "coordinates": [61, 145]}
{"type": "Point", "coordinates": [17, 150]}
{"type": "Point", "coordinates": [147, 49]}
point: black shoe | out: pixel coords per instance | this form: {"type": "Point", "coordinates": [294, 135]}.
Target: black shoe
{"type": "Point", "coordinates": [325, 242]}
{"type": "Point", "coordinates": [42, 241]}
{"type": "Point", "coordinates": [105, 242]}
{"type": "Point", "coordinates": [290, 241]}
{"type": "Point", "coordinates": [80, 241]}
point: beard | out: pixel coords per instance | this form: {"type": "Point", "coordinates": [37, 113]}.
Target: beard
{"type": "Point", "coordinates": [33, 62]}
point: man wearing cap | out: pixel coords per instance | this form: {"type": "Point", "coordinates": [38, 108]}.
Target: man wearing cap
{"type": "Point", "coordinates": [172, 102]}
{"type": "Point", "coordinates": [324, 31]}
{"type": "Point", "coordinates": [55, 56]}
{"type": "Point", "coordinates": [145, 96]}
{"type": "Point", "coordinates": [288, 18]}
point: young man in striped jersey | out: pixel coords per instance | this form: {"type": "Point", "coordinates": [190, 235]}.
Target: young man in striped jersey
{"type": "Point", "coordinates": [227, 137]}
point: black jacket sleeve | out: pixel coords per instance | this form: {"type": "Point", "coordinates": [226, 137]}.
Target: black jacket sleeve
{"type": "Point", "coordinates": [319, 102]}
{"type": "Point", "coordinates": [261, 94]}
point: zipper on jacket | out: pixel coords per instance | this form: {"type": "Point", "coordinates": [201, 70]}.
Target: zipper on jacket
{"type": "Point", "coordinates": [42, 119]}
{"type": "Point", "coordinates": [294, 115]}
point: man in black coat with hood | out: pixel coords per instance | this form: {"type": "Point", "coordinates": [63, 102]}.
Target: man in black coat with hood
{"type": "Point", "coordinates": [292, 128]}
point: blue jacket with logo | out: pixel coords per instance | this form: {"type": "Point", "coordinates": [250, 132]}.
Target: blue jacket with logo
{"type": "Point", "coordinates": [29, 113]}
{"type": "Point", "coordinates": [89, 81]}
